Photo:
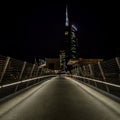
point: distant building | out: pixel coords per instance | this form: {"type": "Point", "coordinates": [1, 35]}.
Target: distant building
{"type": "Point", "coordinates": [74, 43]}
{"type": "Point", "coordinates": [52, 63]}
{"type": "Point", "coordinates": [55, 65]}
{"type": "Point", "coordinates": [62, 60]}
{"type": "Point", "coordinates": [69, 57]}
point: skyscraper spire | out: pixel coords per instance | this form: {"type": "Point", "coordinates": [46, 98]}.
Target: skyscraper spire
{"type": "Point", "coordinates": [67, 20]}
{"type": "Point", "coordinates": [71, 41]}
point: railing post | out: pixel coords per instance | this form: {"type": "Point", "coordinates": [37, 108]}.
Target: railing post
{"type": "Point", "coordinates": [31, 73]}
{"type": "Point", "coordinates": [24, 64]}
{"type": "Point", "coordinates": [41, 70]}
{"type": "Point", "coordinates": [81, 72]}
{"type": "Point", "coordinates": [101, 71]}
{"type": "Point", "coordinates": [37, 71]}
{"type": "Point", "coordinates": [84, 71]}
{"type": "Point", "coordinates": [23, 67]}
{"type": "Point", "coordinates": [4, 69]}
{"type": "Point", "coordinates": [118, 63]}
{"type": "Point", "coordinates": [77, 70]}
{"type": "Point", "coordinates": [91, 73]}
{"type": "Point", "coordinates": [103, 75]}
{"type": "Point", "coordinates": [37, 74]}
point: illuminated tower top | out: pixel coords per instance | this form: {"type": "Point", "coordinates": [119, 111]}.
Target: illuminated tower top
{"type": "Point", "coordinates": [67, 20]}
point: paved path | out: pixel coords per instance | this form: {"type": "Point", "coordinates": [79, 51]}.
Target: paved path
{"type": "Point", "coordinates": [57, 99]}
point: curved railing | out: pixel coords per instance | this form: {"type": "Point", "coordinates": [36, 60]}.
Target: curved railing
{"type": "Point", "coordinates": [11, 88]}
{"type": "Point", "coordinates": [16, 75]}
{"type": "Point", "coordinates": [102, 74]}
{"type": "Point", "coordinates": [111, 88]}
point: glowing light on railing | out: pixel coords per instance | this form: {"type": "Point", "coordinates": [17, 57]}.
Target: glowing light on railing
{"type": "Point", "coordinates": [11, 84]}
{"type": "Point", "coordinates": [15, 83]}
{"type": "Point", "coordinates": [114, 85]}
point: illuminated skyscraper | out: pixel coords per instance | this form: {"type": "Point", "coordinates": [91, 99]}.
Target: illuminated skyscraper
{"type": "Point", "coordinates": [71, 40]}
{"type": "Point", "coordinates": [67, 37]}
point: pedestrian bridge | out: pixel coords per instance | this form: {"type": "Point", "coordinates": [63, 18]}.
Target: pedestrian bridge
{"type": "Point", "coordinates": [60, 98]}
{"type": "Point", "coordinates": [34, 94]}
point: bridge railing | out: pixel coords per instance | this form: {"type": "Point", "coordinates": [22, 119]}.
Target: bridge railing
{"type": "Point", "coordinates": [16, 74]}
{"type": "Point", "coordinates": [104, 75]}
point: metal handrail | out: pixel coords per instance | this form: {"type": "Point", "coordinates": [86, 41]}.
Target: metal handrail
{"type": "Point", "coordinates": [95, 80]}
{"type": "Point", "coordinates": [31, 79]}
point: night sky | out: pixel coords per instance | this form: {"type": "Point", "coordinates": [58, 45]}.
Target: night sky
{"type": "Point", "coordinates": [36, 30]}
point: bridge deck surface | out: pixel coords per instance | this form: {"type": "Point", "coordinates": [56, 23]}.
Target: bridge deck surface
{"type": "Point", "coordinates": [56, 99]}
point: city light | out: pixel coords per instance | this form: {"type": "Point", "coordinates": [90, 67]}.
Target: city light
{"type": "Point", "coordinates": [74, 27]}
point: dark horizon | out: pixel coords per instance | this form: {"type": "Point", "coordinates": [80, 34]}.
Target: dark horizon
{"type": "Point", "coordinates": [37, 31]}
